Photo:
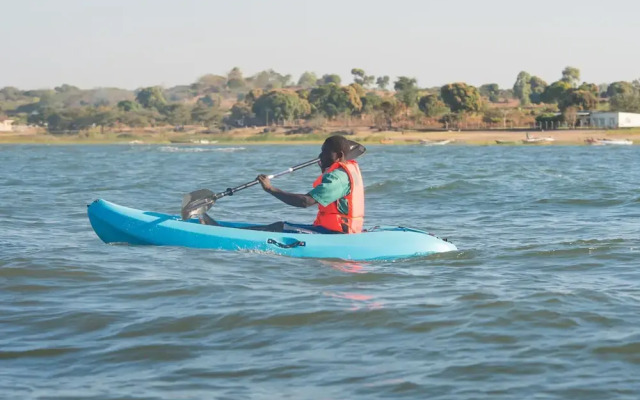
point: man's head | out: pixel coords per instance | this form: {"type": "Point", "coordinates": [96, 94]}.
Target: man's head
{"type": "Point", "coordinates": [335, 148]}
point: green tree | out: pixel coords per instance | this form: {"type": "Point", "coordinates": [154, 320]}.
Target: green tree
{"type": "Point", "coordinates": [358, 89]}
{"type": "Point", "coordinates": [590, 87]}
{"type": "Point", "coordinates": [58, 122]}
{"type": "Point", "coordinates": [432, 106]}
{"type": "Point", "coordinates": [151, 97]}
{"type": "Point", "coordinates": [206, 115]}
{"type": "Point", "coordinates": [179, 94]}
{"type": "Point", "coordinates": [450, 120]}
{"type": "Point", "coordinates": [39, 116]}
{"type": "Point", "coordinates": [578, 99]}
{"type": "Point", "coordinates": [571, 75]}
{"type": "Point", "coordinates": [235, 80]}
{"type": "Point", "coordinates": [128, 105]}
{"type": "Point", "coordinates": [570, 116]}
{"type": "Point", "coordinates": [370, 103]}
{"type": "Point", "coordinates": [105, 117]}
{"type": "Point", "coordinates": [241, 115]}
{"type": "Point", "coordinates": [354, 94]}
{"type": "Point", "coordinates": [361, 78]}
{"type": "Point", "coordinates": [358, 74]}
{"type": "Point", "coordinates": [210, 100]}
{"type": "Point", "coordinates": [405, 83]}
{"type": "Point", "coordinates": [408, 97]}
{"type": "Point", "coordinates": [307, 80]}
{"type": "Point", "coordinates": [522, 87]}
{"type": "Point", "coordinates": [329, 78]}
{"type": "Point", "coordinates": [209, 83]}
{"type": "Point", "coordinates": [330, 100]}
{"type": "Point", "coordinates": [252, 96]}
{"type": "Point", "coordinates": [66, 88]}
{"type": "Point", "coordinates": [507, 94]}
{"type": "Point", "coordinates": [382, 82]}
{"type": "Point", "coordinates": [491, 91]}
{"type": "Point", "coordinates": [555, 92]}
{"type": "Point", "coordinates": [140, 118]}
{"type": "Point", "coordinates": [538, 85]}
{"type": "Point", "coordinates": [620, 87]}
{"type": "Point", "coordinates": [269, 79]}
{"type": "Point", "coordinates": [495, 116]}
{"type": "Point", "coordinates": [461, 97]}
{"type": "Point", "coordinates": [10, 93]}
{"type": "Point", "coordinates": [276, 106]}
{"type": "Point", "coordinates": [178, 114]}
{"type": "Point", "coordinates": [626, 101]}
{"type": "Point", "coordinates": [73, 119]}
{"type": "Point", "coordinates": [107, 96]}
{"type": "Point", "coordinates": [602, 89]}
{"type": "Point", "coordinates": [303, 93]}
{"type": "Point", "coordinates": [40, 94]}
{"type": "Point", "coordinates": [549, 119]}
{"type": "Point", "coordinates": [406, 90]}
{"type": "Point", "coordinates": [389, 110]}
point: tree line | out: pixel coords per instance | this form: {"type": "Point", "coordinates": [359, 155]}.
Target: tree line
{"type": "Point", "coordinates": [268, 97]}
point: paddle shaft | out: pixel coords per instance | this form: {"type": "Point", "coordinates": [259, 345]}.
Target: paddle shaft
{"type": "Point", "coordinates": [231, 191]}
{"type": "Point", "coordinates": [202, 200]}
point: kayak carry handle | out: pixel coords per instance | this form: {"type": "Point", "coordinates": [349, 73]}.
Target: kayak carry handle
{"type": "Point", "coordinates": [287, 246]}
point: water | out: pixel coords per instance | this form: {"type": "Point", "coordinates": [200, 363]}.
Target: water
{"type": "Point", "coordinates": [541, 301]}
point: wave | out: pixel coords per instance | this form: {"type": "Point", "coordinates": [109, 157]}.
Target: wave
{"type": "Point", "coordinates": [176, 149]}
{"type": "Point", "coordinates": [598, 202]}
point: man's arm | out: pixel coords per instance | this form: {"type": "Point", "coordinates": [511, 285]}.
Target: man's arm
{"type": "Point", "coordinates": [292, 199]}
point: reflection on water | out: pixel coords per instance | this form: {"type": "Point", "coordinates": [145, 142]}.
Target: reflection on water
{"type": "Point", "coordinates": [347, 266]}
{"type": "Point", "coordinates": [357, 301]}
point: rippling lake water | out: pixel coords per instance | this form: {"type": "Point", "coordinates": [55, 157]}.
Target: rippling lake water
{"type": "Point", "coordinates": [541, 301]}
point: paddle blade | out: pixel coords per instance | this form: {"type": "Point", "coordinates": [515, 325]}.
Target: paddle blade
{"type": "Point", "coordinates": [356, 150]}
{"type": "Point", "coordinates": [197, 203]}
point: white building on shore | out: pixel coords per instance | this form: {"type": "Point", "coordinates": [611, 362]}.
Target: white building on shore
{"type": "Point", "coordinates": [614, 119]}
{"type": "Point", "coordinates": [5, 125]}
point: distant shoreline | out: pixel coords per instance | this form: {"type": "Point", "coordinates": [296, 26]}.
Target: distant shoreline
{"type": "Point", "coordinates": [257, 137]}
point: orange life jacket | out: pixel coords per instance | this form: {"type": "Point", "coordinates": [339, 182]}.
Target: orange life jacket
{"type": "Point", "coordinates": [330, 217]}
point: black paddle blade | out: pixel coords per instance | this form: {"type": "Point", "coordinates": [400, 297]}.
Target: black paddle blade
{"type": "Point", "coordinates": [197, 203]}
{"type": "Point", "coordinates": [356, 150]}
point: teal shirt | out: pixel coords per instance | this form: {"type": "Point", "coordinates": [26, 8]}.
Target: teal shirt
{"type": "Point", "coordinates": [335, 186]}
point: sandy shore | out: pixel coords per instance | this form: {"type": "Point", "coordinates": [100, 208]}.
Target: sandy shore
{"type": "Point", "coordinates": [559, 137]}
{"type": "Point", "coordinates": [256, 136]}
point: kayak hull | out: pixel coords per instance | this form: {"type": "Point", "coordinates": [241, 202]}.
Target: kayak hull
{"type": "Point", "coordinates": [118, 224]}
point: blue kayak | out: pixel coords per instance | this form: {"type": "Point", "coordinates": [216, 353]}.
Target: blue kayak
{"type": "Point", "coordinates": [117, 224]}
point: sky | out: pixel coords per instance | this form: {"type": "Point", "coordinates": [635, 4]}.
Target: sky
{"type": "Point", "coordinates": [136, 43]}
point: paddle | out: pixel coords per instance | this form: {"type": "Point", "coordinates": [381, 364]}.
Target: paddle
{"type": "Point", "coordinates": [200, 201]}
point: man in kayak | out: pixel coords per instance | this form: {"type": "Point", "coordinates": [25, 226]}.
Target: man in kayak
{"type": "Point", "coordinates": [338, 192]}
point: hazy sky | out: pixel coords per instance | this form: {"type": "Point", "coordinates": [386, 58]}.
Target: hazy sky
{"type": "Point", "coordinates": [134, 43]}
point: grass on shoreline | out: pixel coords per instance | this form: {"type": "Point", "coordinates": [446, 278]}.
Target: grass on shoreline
{"type": "Point", "coordinates": [569, 137]}
{"type": "Point", "coordinates": [172, 138]}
